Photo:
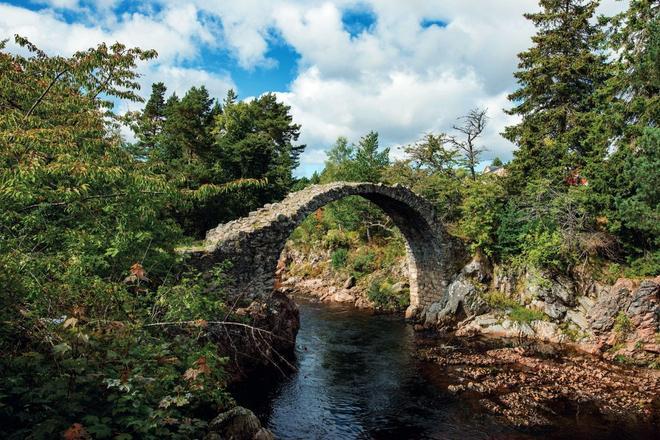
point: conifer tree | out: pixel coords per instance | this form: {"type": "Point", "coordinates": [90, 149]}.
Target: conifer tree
{"type": "Point", "coordinates": [626, 185]}
{"type": "Point", "coordinates": [557, 78]}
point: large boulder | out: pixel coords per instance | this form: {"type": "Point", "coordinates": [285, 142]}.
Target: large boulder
{"type": "Point", "coordinates": [552, 290]}
{"type": "Point", "coordinates": [479, 268]}
{"type": "Point", "coordinates": [461, 300]}
{"type": "Point", "coordinates": [609, 303]}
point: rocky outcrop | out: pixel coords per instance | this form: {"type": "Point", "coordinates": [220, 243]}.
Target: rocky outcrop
{"type": "Point", "coordinates": [619, 320]}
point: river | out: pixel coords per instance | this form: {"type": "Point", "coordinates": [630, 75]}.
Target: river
{"type": "Point", "coordinates": [358, 377]}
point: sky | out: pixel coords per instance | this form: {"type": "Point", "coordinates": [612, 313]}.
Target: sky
{"type": "Point", "coordinates": [401, 68]}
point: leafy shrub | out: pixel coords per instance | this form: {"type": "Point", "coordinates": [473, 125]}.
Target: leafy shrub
{"type": "Point", "coordinates": [363, 263]}
{"type": "Point", "coordinates": [514, 310]}
{"type": "Point", "coordinates": [339, 258]}
{"type": "Point", "coordinates": [336, 238]}
{"type": "Point", "coordinates": [622, 326]}
{"type": "Point", "coordinates": [498, 300]}
{"type": "Point", "coordinates": [382, 293]}
{"type": "Point", "coordinates": [481, 210]}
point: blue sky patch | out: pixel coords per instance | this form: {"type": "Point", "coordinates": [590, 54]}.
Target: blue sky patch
{"type": "Point", "coordinates": [427, 23]}
{"type": "Point", "coordinates": [358, 20]}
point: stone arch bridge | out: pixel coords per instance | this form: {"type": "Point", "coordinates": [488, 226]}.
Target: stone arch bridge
{"type": "Point", "coordinates": [254, 243]}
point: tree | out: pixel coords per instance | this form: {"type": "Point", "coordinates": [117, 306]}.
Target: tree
{"type": "Point", "coordinates": [625, 185]}
{"type": "Point", "coordinates": [557, 79]}
{"type": "Point", "coordinates": [472, 128]}
{"type": "Point", "coordinates": [256, 140]}
{"type": "Point", "coordinates": [369, 162]}
{"type": "Point", "coordinates": [434, 152]}
{"type": "Point", "coordinates": [148, 124]}
{"type": "Point", "coordinates": [187, 128]}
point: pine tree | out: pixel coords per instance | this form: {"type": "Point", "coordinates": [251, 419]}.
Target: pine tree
{"type": "Point", "coordinates": [187, 129]}
{"type": "Point", "coordinates": [626, 185]}
{"type": "Point", "coordinates": [557, 79]}
{"type": "Point", "coordinates": [149, 123]}
{"type": "Point", "coordinates": [369, 162]}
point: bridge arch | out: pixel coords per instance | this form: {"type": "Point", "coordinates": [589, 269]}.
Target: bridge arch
{"type": "Point", "coordinates": [254, 243]}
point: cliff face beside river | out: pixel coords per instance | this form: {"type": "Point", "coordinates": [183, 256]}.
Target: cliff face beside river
{"type": "Point", "coordinates": [619, 321]}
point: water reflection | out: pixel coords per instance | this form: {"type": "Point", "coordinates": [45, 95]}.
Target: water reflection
{"type": "Point", "coordinates": [357, 378]}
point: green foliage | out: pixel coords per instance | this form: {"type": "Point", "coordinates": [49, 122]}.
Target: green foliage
{"type": "Point", "coordinates": [339, 258]}
{"type": "Point", "coordinates": [500, 301]}
{"type": "Point", "coordinates": [556, 95]}
{"type": "Point", "coordinates": [383, 294]}
{"type": "Point", "coordinates": [482, 207]}
{"type": "Point", "coordinates": [337, 238]}
{"type": "Point", "coordinates": [514, 310]}
{"type": "Point", "coordinates": [209, 151]}
{"type": "Point", "coordinates": [622, 326]}
{"type": "Point", "coordinates": [523, 315]}
{"type": "Point", "coordinates": [80, 339]}
{"type": "Point", "coordinates": [363, 262]}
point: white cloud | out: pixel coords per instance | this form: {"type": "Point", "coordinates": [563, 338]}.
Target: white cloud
{"type": "Point", "coordinates": [397, 78]}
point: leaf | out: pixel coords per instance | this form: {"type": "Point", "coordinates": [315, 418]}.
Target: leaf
{"type": "Point", "coordinates": [191, 374]}
{"type": "Point", "coordinates": [202, 365]}
{"type": "Point", "coordinates": [76, 432]}
{"type": "Point", "coordinates": [138, 272]}
{"type": "Point", "coordinates": [201, 323]}
{"type": "Point", "coordinates": [62, 348]}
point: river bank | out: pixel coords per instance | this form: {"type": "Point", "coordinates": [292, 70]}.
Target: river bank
{"type": "Point", "coordinates": [363, 375]}
{"type": "Point", "coordinates": [617, 320]}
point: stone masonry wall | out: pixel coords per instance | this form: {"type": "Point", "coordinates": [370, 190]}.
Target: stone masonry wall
{"type": "Point", "coordinates": [254, 243]}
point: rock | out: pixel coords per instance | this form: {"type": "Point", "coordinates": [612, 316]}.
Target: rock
{"type": "Point", "coordinates": [236, 424]}
{"type": "Point", "coordinates": [609, 303]}
{"type": "Point", "coordinates": [350, 282]}
{"type": "Point", "coordinates": [547, 331]}
{"type": "Point", "coordinates": [585, 303]}
{"type": "Point", "coordinates": [455, 389]}
{"type": "Point", "coordinates": [264, 434]}
{"type": "Point", "coordinates": [489, 325]}
{"type": "Point", "coordinates": [343, 296]}
{"type": "Point", "coordinates": [554, 311]}
{"type": "Point", "coordinates": [503, 281]}
{"type": "Point", "coordinates": [551, 290]}
{"type": "Point", "coordinates": [461, 300]}
{"type": "Point", "coordinates": [479, 268]}
{"type": "Point", "coordinates": [645, 300]}
{"type": "Point", "coordinates": [578, 318]}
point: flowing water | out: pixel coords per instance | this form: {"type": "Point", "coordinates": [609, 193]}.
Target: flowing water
{"type": "Point", "coordinates": [357, 378]}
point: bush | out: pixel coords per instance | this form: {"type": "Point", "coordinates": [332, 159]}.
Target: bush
{"type": "Point", "coordinates": [339, 258]}
{"type": "Point", "coordinates": [523, 315]}
{"type": "Point", "coordinates": [384, 296]}
{"type": "Point", "coordinates": [336, 238]}
{"type": "Point", "coordinates": [481, 210]}
{"type": "Point", "coordinates": [363, 263]}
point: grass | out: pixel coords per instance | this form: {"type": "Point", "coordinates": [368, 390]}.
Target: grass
{"type": "Point", "coordinates": [514, 310]}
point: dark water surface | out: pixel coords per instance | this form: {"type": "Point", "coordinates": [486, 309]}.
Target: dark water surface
{"type": "Point", "coordinates": [357, 378]}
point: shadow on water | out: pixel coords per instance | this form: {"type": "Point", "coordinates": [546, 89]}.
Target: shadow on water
{"type": "Point", "coordinates": [358, 378]}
